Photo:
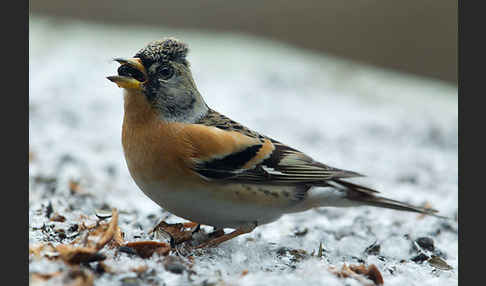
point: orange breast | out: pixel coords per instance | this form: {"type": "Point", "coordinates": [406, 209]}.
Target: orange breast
{"type": "Point", "coordinates": [153, 150]}
{"type": "Point", "coordinates": [156, 150]}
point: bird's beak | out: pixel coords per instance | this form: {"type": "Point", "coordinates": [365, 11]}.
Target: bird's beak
{"type": "Point", "coordinates": [131, 74]}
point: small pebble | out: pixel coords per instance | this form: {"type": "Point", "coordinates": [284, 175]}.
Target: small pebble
{"type": "Point", "coordinates": [301, 232]}
{"type": "Point", "coordinates": [174, 264]}
{"type": "Point", "coordinates": [130, 281]}
{"type": "Point", "coordinates": [420, 258]}
{"type": "Point", "coordinates": [426, 243]}
{"type": "Point", "coordinates": [373, 249]}
{"type": "Point", "coordinates": [49, 210]}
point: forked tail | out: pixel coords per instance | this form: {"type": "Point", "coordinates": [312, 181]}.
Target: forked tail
{"type": "Point", "coordinates": [350, 194]}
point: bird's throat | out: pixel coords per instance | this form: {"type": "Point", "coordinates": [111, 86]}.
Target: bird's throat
{"type": "Point", "coordinates": [138, 110]}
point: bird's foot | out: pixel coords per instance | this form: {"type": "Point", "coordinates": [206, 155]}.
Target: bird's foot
{"type": "Point", "coordinates": [222, 237]}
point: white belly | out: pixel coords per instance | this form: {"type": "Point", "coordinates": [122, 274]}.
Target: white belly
{"type": "Point", "coordinates": [209, 207]}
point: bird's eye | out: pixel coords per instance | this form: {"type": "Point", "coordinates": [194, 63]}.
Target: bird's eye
{"type": "Point", "coordinates": [165, 72]}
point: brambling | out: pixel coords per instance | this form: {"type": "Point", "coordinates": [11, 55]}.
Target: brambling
{"type": "Point", "coordinates": [200, 165]}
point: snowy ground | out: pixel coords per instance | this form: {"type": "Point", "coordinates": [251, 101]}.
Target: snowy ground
{"type": "Point", "coordinates": [398, 130]}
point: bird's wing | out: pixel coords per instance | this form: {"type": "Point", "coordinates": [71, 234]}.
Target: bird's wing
{"type": "Point", "coordinates": [227, 151]}
{"type": "Point", "coordinates": [219, 154]}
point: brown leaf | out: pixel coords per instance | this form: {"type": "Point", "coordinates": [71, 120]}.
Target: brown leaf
{"type": "Point", "coordinates": [38, 250]}
{"type": "Point", "coordinates": [118, 237]}
{"type": "Point", "coordinates": [177, 231]}
{"type": "Point", "coordinates": [45, 276]}
{"type": "Point", "coordinates": [371, 272]}
{"type": "Point", "coordinates": [190, 224]}
{"type": "Point", "coordinates": [57, 217]}
{"type": "Point", "coordinates": [139, 269]}
{"type": "Point", "coordinates": [357, 271]}
{"type": "Point", "coordinates": [74, 187]}
{"type": "Point", "coordinates": [75, 255]}
{"type": "Point", "coordinates": [110, 232]}
{"type": "Point", "coordinates": [145, 249]}
{"type": "Point", "coordinates": [79, 277]}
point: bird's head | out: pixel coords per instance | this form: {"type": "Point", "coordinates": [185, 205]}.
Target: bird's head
{"type": "Point", "coordinates": [160, 72]}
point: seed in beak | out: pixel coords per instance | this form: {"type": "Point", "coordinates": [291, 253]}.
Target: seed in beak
{"type": "Point", "coordinates": [129, 71]}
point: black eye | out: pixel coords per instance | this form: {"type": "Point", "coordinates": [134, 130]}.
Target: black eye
{"type": "Point", "coordinates": [165, 72]}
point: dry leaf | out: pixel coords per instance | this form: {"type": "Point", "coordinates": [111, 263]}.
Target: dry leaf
{"type": "Point", "coordinates": [57, 217]}
{"type": "Point", "coordinates": [75, 255]}
{"type": "Point", "coordinates": [177, 231]}
{"type": "Point", "coordinates": [139, 269]}
{"type": "Point", "coordinates": [371, 272]}
{"type": "Point", "coordinates": [118, 237]}
{"type": "Point", "coordinates": [44, 276]}
{"type": "Point", "coordinates": [357, 271]}
{"type": "Point", "coordinates": [74, 187]}
{"type": "Point", "coordinates": [110, 232]}
{"type": "Point", "coordinates": [145, 249]}
{"type": "Point", "coordinates": [78, 277]}
{"type": "Point", "coordinates": [38, 250]}
{"type": "Point", "coordinates": [439, 263]}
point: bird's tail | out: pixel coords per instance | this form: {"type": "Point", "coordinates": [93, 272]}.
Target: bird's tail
{"type": "Point", "coordinates": [350, 194]}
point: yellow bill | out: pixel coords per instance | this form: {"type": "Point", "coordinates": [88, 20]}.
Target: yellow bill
{"type": "Point", "coordinates": [131, 74]}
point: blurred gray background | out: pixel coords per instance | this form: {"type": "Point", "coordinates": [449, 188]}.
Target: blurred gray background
{"type": "Point", "coordinates": [415, 36]}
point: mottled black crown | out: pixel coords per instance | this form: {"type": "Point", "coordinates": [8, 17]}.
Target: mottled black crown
{"type": "Point", "coordinates": [167, 49]}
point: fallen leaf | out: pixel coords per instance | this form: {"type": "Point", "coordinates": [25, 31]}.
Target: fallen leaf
{"type": "Point", "coordinates": [74, 187]}
{"type": "Point", "coordinates": [110, 232]}
{"type": "Point", "coordinates": [57, 217]}
{"type": "Point", "coordinates": [361, 273]}
{"type": "Point", "coordinates": [139, 269]}
{"type": "Point", "coordinates": [145, 249]}
{"type": "Point", "coordinates": [439, 263]}
{"type": "Point", "coordinates": [41, 249]}
{"type": "Point", "coordinates": [79, 277]}
{"type": "Point", "coordinates": [177, 231]}
{"type": "Point", "coordinates": [44, 276]}
{"type": "Point", "coordinates": [371, 272]}
{"type": "Point", "coordinates": [118, 237]}
{"type": "Point", "coordinates": [75, 255]}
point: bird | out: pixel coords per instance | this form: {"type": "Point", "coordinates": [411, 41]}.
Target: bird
{"type": "Point", "coordinates": [202, 166]}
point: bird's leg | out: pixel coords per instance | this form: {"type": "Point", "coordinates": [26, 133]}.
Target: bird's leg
{"type": "Point", "coordinates": [246, 228]}
{"type": "Point", "coordinates": [177, 232]}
